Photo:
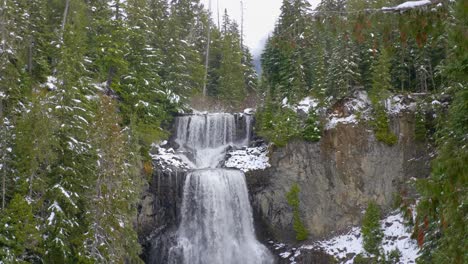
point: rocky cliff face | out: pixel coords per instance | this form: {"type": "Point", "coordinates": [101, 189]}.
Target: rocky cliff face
{"type": "Point", "coordinates": [337, 177]}
{"type": "Point", "coordinates": [159, 212]}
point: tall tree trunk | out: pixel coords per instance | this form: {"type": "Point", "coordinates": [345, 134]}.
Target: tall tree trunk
{"type": "Point", "coordinates": [3, 24]}
{"type": "Point", "coordinates": [217, 6]}
{"type": "Point", "coordinates": [3, 185]}
{"type": "Point", "coordinates": [30, 55]}
{"type": "Point", "coordinates": [3, 167]}
{"type": "Point", "coordinates": [3, 47]}
{"type": "Point", "coordinates": [64, 20]}
{"type": "Point", "coordinates": [207, 57]}
{"type": "Point", "coordinates": [242, 25]}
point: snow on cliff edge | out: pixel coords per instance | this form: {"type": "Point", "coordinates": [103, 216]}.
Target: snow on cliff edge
{"type": "Point", "coordinates": [345, 247]}
{"type": "Point", "coordinates": [248, 159]}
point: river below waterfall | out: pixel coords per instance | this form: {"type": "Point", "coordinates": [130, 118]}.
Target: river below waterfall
{"type": "Point", "coordinates": [216, 216]}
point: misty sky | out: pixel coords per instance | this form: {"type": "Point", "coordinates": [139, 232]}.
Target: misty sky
{"type": "Point", "coordinates": [259, 18]}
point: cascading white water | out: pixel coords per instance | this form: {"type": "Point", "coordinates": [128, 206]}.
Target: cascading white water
{"type": "Point", "coordinates": [217, 223]}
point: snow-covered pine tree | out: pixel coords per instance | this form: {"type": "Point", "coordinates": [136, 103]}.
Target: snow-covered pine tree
{"type": "Point", "coordinates": [116, 191]}
{"type": "Point", "coordinates": [65, 202]}
{"type": "Point", "coordinates": [231, 73]}
{"type": "Point", "coordinates": [142, 94]}
{"type": "Point", "coordinates": [185, 71]}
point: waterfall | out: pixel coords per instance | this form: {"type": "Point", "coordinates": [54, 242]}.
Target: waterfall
{"type": "Point", "coordinates": [217, 223]}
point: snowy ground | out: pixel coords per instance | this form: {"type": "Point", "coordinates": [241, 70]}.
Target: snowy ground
{"type": "Point", "coordinates": [305, 105]}
{"type": "Point", "coordinates": [355, 109]}
{"type": "Point", "coordinates": [248, 159]}
{"type": "Point", "coordinates": [399, 103]}
{"type": "Point", "coordinates": [346, 247]}
{"type": "Point", "coordinates": [167, 159]}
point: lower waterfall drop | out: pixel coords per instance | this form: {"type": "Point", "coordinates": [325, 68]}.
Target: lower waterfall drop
{"type": "Point", "coordinates": [216, 216]}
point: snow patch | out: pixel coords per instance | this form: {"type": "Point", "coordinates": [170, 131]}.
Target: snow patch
{"type": "Point", "coordinates": [248, 159]}
{"type": "Point", "coordinates": [397, 104]}
{"type": "Point", "coordinates": [407, 5]}
{"type": "Point", "coordinates": [357, 107]}
{"type": "Point", "coordinates": [334, 121]}
{"type": "Point", "coordinates": [249, 111]}
{"type": "Point", "coordinates": [345, 247]}
{"type": "Point", "coordinates": [166, 159]}
{"type": "Point", "coordinates": [54, 208]}
{"type": "Point", "coordinates": [306, 104]}
{"type": "Point", "coordinates": [51, 83]}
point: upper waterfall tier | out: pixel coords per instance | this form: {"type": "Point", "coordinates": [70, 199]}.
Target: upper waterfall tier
{"type": "Point", "coordinates": [203, 138]}
{"type": "Point", "coordinates": [212, 130]}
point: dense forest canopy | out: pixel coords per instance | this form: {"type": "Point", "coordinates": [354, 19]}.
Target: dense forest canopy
{"type": "Point", "coordinates": [86, 86]}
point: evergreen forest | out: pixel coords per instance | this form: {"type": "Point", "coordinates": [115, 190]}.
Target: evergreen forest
{"type": "Point", "coordinates": [87, 86]}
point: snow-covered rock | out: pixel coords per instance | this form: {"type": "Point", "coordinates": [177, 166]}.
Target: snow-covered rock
{"type": "Point", "coordinates": [248, 159]}
{"type": "Point", "coordinates": [306, 104]}
{"type": "Point", "coordinates": [167, 159]}
{"type": "Point", "coordinates": [249, 111]}
{"type": "Point", "coordinates": [400, 103]}
{"type": "Point", "coordinates": [352, 110]}
{"type": "Point", "coordinates": [345, 247]}
{"type": "Point", "coordinates": [334, 121]}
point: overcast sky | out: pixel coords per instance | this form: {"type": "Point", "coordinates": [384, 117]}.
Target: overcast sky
{"type": "Point", "coordinates": [259, 18]}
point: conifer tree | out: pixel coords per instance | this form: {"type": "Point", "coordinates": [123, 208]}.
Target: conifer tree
{"type": "Point", "coordinates": [184, 72]}
{"type": "Point", "coordinates": [231, 72]}
{"type": "Point", "coordinates": [19, 235]}
{"type": "Point", "coordinates": [143, 95]}
{"type": "Point", "coordinates": [115, 192]}
{"type": "Point", "coordinates": [441, 219]}
{"type": "Point", "coordinates": [381, 85]}
{"type": "Point", "coordinates": [71, 177]}
{"type": "Point", "coordinates": [372, 233]}
{"type": "Point", "coordinates": [250, 75]}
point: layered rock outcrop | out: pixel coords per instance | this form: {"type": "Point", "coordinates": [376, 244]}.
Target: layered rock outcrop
{"type": "Point", "coordinates": [337, 177]}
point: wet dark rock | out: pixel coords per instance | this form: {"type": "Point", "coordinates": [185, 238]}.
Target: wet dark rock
{"type": "Point", "coordinates": [159, 214]}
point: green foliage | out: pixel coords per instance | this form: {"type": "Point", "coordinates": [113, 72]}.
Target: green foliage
{"type": "Point", "coordinates": [231, 89]}
{"type": "Point", "coordinates": [441, 223]}
{"type": "Point", "coordinates": [380, 88]}
{"type": "Point", "coordinates": [371, 231]}
{"type": "Point", "coordinates": [311, 130]}
{"type": "Point", "coordinates": [361, 259]}
{"type": "Point", "coordinates": [231, 74]}
{"type": "Point", "coordinates": [394, 256]}
{"type": "Point", "coordinates": [117, 186]}
{"type": "Point", "coordinates": [442, 211]}
{"type": "Point", "coordinates": [420, 130]}
{"type": "Point", "coordinates": [19, 236]}
{"type": "Point", "coordinates": [278, 125]}
{"type": "Point", "coordinates": [381, 127]}
{"type": "Point", "coordinates": [81, 96]}
{"type": "Point", "coordinates": [293, 200]}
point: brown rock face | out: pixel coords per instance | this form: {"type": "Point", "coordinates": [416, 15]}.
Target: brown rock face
{"type": "Point", "coordinates": [337, 177]}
